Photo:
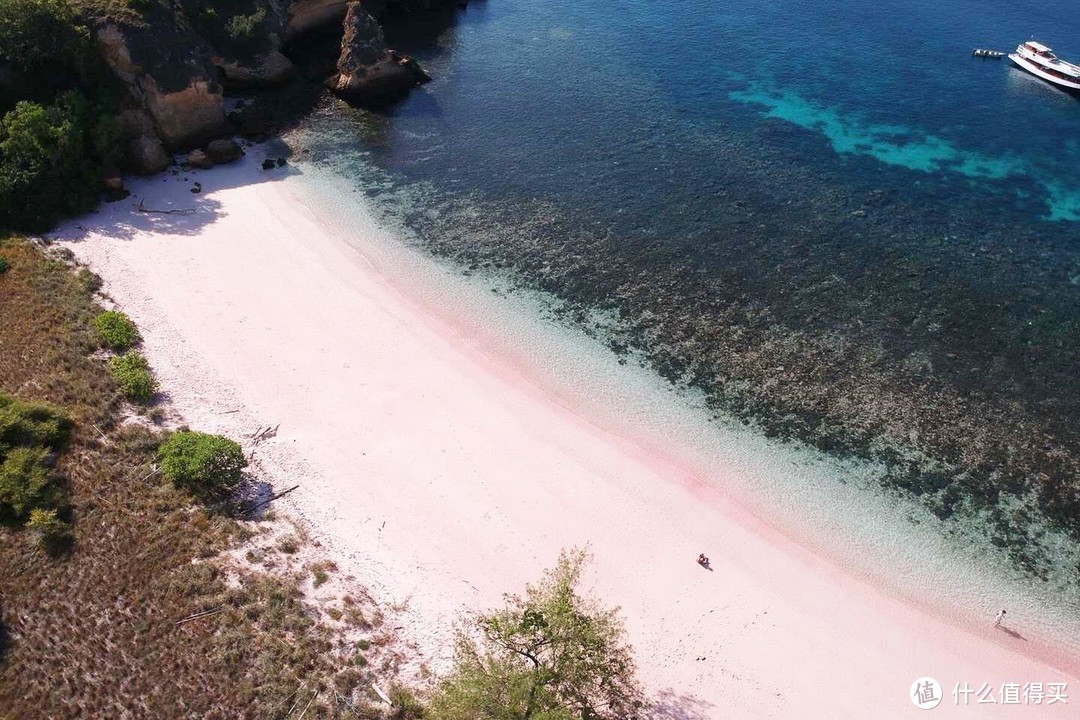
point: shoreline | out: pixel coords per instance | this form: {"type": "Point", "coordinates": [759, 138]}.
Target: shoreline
{"type": "Point", "coordinates": [254, 304]}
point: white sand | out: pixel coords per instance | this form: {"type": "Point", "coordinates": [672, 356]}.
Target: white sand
{"type": "Point", "coordinates": [440, 472]}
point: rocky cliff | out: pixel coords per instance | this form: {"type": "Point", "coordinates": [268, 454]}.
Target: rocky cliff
{"type": "Point", "coordinates": [178, 60]}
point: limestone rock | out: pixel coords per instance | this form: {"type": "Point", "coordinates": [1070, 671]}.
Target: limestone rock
{"type": "Point", "coordinates": [147, 156]}
{"type": "Point", "coordinates": [188, 117]}
{"type": "Point", "coordinates": [114, 188]}
{"type": "Point", "coordinates": [269, 69]}
{"type": "Point", "coordinates": [369, 73]}
{"type": "Point", "coordinates": [199, 159]}
{"type": "Point", "coordinates": [223, 151]}
{"type": "Point", "coordinates": [306, 16]}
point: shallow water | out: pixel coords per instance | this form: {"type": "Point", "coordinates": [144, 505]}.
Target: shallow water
{"type": "Point", "coordinates": [825, 222]}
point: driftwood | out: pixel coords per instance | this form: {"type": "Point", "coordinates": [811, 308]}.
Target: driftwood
{"type": "Point", "coordinates": [268, 500]}
{"type": "Point", "coordinates": [267, 432]}
{"type": "Point", "coordinates": [139, 207]}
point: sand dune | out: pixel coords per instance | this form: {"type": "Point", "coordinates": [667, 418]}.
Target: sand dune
{"type": "Point", "coordinates": [443, 473]}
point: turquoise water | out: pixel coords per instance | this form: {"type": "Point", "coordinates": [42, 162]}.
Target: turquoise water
{"type": "Point", "coordinates": [827, 218]}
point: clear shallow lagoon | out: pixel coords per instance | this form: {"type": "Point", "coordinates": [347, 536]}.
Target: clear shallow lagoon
{"type": "Point", "coordinates": [827, 218]}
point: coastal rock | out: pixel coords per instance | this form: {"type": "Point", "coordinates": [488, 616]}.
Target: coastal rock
{"type": "Point", "coordinates": [188, 117]}
{"type": "Point", "coordinates": [306, 16]}
{"type": "Point", "coordinates": [170, 79]}
{"type": "Point", "coordinates": [114, 188]}
{"type": "Point", "coordinates": [147, 156]}
{"type": "Point", "coordinates": [223, 151]}
{"type": "Point", "coordinates": [369, 73]}
{"type": "Point", "coordinates": [268, 164]}
{"type": "Point", "coordinates": [269, 69]}
{"type": "Point", "coordinates": [199, 159]}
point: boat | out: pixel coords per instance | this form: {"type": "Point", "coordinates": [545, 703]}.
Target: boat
{"type": "Point", "coordinates": [984, 53]}
{"type": "Point", "coordinates": [1039, 60]}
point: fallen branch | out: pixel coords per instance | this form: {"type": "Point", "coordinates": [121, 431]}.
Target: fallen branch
{"type": "Point", "coordinates": [268, 500]}
{"type": "Point", "coordinates": [139, 207]}
{"type": "Point", "coordinates": [100, 433]}
{"type": "Point", "coordinates": [196, 616]}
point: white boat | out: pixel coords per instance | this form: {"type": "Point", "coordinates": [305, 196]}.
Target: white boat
{"type": "Point", "coordinates": [1040, 61]}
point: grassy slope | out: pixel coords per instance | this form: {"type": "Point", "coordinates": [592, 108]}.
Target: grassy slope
{"type": "Point", "coordinates": [93, 634]}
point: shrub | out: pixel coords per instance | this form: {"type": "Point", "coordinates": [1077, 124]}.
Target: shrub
{"type": "Point", "coordinates": [29, 433]}
{"type": "Point", "coordinates": [24, 478]}
{"type": "Point", "coordinates": [47, 171]}
{"type": "Point", "coordinates": [40, 38]}
{"type": "Point", "coordinates": [116, 330]}
{"type": "Point", "coordinates": [242, 27]}
{"type": "Point", "coordinates": [31, 424]}
{"type": "Point", "coordinates": [52, 532]}
{"type": "Point", "coordinates": [132, 373]}
{"type": "Point", "coordinates": [200, 463]}
{"type": "Point", "coordinates": [3, 265]}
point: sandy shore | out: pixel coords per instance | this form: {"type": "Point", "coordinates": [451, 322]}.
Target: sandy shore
{"type": "Point", "coordinates": [443, 474]}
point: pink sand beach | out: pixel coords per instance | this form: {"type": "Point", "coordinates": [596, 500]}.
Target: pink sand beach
{"type": "Point", "coordinates": [442, 471]}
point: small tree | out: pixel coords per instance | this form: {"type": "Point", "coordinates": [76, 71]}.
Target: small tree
{"type": "Point", "coordinates": [552, 655]}
{"type": "Point", "coordinates": [200, 463]}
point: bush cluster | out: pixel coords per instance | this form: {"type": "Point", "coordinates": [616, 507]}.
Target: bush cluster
{"type": "Point", "coordinates": [55, 144]}
{"type": "Point", "coordinates": [132, 373]}
{"type": "Point", "coordinates": [30, 436]}
{"type": "Point", "coordinates": [202, 464]}
{"type": "Point", "coordinates": [116, 330]}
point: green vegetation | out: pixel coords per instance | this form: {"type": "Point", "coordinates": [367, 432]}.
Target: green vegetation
{"type": "Point", "coordinates": [47, 163]}
{"type": "Point", "coordinates": [55, 144]}
{"type": "Point", "coordinates": [43, 40]}
{"type": "Point", "coordinates": [245, 26]}
{"type": "Point", "coordinates": [202, 464]}
{"type": "Point", "coordinates": [552, 655]}
{"type": "Point", "coordinates": [116, 330]}
{"type": "Point", "coordinates": [30, 434]}
{"type": "Point", "coordinates": [53, 534]}
{"type": "Point", "coordinates": [143, 555]}
{"type": "Point", "coordinates": [132, 374]}
{"type": "Point", "coordinates": [3, 264]}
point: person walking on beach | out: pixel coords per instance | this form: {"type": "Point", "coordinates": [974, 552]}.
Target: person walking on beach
{"type": "Point", "coordinates": [1000, 617]}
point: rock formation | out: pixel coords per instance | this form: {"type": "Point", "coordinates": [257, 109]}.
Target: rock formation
{"type": "Point", "coordinates": [369, 73]}
{"type": "Point", "coordinates": [268, 69]}
{"type": "Point", "coordinates": [307, 16]}
{"type": "Point", "coordinates": [223, 151]}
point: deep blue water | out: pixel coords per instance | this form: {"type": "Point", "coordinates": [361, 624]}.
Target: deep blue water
{"type": "Point", "coordinates": [564, 90]}
{"type": "Point", "coordinates": [827, 215]}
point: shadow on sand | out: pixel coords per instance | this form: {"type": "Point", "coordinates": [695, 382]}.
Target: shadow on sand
{"type": "Point", "coordinates": [164, 204]}
{"type": "Point", "coordinates": [1011, 633]}
{"type": "Point", "coordinates": [670, 705]}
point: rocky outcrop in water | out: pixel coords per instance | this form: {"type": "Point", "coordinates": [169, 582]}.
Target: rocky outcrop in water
{"type": "Point", "coordinates": [369, 73]}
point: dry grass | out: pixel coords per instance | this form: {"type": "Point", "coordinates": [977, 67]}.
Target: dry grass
{"type": "Point", "coordinates": [93, 634]}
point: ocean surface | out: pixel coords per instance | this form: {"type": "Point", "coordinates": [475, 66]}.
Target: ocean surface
{"type": "Point", "coordinates": [825, 221]}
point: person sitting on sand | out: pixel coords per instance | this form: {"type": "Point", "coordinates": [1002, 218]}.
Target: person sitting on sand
{"type": "Point", "coordinates": [702, 560]}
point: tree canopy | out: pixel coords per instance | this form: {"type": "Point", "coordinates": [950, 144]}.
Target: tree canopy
{"type": "Point", "coordinates": [550, 655]}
